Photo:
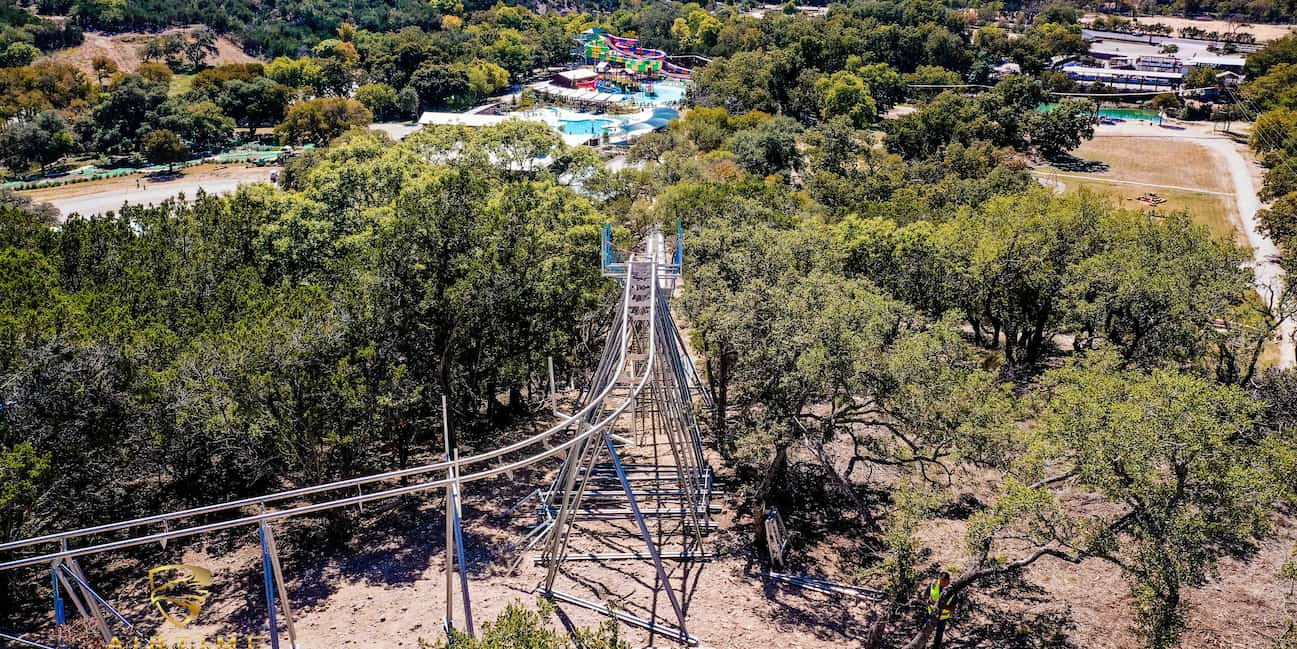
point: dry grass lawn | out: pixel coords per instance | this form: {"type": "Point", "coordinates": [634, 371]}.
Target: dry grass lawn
{"type": "Point", "coordinates": [1187, 175]}
{"type": "Point", "coordinates": [1162, 161]}
{"type": "Point", "coordinates": [1217, 212]}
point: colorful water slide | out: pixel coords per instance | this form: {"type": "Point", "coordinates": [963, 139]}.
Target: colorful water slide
{"type": "Point", "coordinates": [637, 59]}
{"type": "Point", "coordinates": [676, 71]}
{"type": "Point", "coordinates": [630, 47]}
{"type": "Point", "coordinates": [600, 50]}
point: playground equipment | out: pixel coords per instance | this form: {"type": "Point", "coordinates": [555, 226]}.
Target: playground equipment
{"type": "Point", "coordinates": [640, 400]}
{"type": "Point", "coordinates": [620, 84]}
{"type": "Point", "coordinates": [606, 47]}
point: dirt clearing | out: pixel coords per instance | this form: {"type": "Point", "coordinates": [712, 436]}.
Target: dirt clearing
{"type": "Point", "coordinates": [100, 196]}
{"type": "Point", "coordinates": [1263, 33]}
{"type": "Point", "coordinates": [124, 49]}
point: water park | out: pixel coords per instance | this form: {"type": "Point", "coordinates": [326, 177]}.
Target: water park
{"type": "Point", "coordinates": [617, 92]}
{"type": "Point", "coordinates": [620, 91]}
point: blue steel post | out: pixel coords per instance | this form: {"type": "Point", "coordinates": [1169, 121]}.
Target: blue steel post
{"type": "Point", "coordinates": [270, 589]}
{"type": "Point", "coordinates": [605, 244]}
{"type": "Point", "coordinates": [59, 616]}
{"type": "Point", "coordinates": [680, 247]}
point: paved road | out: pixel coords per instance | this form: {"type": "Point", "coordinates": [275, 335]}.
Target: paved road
{"type": "Point", "coordinates": [100, 197]}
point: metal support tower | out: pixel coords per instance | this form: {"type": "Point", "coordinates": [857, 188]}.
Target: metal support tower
{"type": "Point", "coordinates": [647, 468]}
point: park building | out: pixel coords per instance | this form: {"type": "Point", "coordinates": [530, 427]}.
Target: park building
{"type": "Point", "coordinates": [1125, 79]}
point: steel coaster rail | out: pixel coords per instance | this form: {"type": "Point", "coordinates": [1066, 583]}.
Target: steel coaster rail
{"type": "Point", "coordinates": [351, 482]}
{"type": "Point", "coordinates": [598, 427]}
{"type": "Point", "coordinates": [557, 543]}
{"type": "Point", "coordinates": [661, 368]}
{"type": "Point", "coordinates": [24, 641]}
{"type": "Point", "coordinates": [307, 509]}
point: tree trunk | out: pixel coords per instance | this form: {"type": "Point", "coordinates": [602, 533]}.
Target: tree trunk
{"type": "Point", "coordinates": [877, 631]}
{"type": "Point", "coordinates": [774, 473]}
{"type": "Point", "coordinates": [1036, 342]}
{"type": "Point", "coordinates": [722, 406]}
{"type": "Point", "coordinates": [867, 517]}
{"type": "Point", "coordinates": [921, 638]}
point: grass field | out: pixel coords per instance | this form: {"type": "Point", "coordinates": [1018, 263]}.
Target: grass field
{"type": "Point", "coordinates": [1214, 211]}
{"type": "Point", "coordinates": [1187, 175]}
{"type": "Point", "coordinates": [180, 84]}
{"type": "Point", "coordinates": [1160, 162]}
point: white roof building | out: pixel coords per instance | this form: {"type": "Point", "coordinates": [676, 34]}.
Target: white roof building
{"type": "Point", "coordinates": [461, 119]}
{"type": "Point", "coordinates": [578, 75]}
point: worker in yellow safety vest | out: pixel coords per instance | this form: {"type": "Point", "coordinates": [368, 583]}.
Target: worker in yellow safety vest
{"type": "Point", "coordinates": [941, 603]}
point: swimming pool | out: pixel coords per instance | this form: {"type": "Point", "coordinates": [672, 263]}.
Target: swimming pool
{"type": "Point", "coordinates": [1129, 113]}
{"type": "Point", "coordinates": [1116, 113]}
{"type": "Point", "coordinates": [589, 126]}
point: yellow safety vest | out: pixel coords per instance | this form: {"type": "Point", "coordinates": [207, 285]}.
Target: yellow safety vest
{"type": "Point", "coordinates": [935, 603]}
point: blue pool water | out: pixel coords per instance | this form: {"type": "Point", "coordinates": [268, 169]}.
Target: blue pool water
{"type": "Point", "coordinates": [665, 93]}
{"type": "Point", "coordinates": [589, 126]}
{"type": "Point", "coordinates": [1116, 113]}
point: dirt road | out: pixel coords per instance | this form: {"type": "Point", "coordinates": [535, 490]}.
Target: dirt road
{"type": "Point", "coordinates": [109, 195]}
{"type": "Point", "coordinates": [1244, 177]}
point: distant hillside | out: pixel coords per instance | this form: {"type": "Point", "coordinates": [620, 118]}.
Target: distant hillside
{"type": "Point", "coordinates": [124, 48]}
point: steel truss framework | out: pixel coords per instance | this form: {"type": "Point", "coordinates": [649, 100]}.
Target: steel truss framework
{"type": "Point", "coordinates": [643, 387]}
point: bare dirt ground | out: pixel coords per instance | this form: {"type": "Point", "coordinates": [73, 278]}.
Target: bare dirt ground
{"type": "Point", "coordinates": [101, 196]}
{"type": "Point", "coordinates": [124, 49]}
{"type": "Point", "coordinates": [1263, 33]}
{"type": "Point", "coordinates": [384, 588]}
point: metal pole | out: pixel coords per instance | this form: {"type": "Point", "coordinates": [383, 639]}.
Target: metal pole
{"type": "Point", "coordinates": [72, 594]}
{"type": "Point", "coordinates": [24, 641]}
{"type": "Point", "coordinates": [553, 398]}
{"type": "Point", "coordinates": [647, 536]}
{"type": "Point", "coordinates": [450, 521]}
{"type": "Point", "coordinates": [273, 549]}
{"type": "Point", "coordinates": [269, 573]}
{"type": "Point", "coordinates": [573, 465]}
{"type": "Point", "coordinates": [75, 568]}
{"type": "Point", "coordinates": [459, 555]}
{"type": "Point", "coordinates": [92, 595]}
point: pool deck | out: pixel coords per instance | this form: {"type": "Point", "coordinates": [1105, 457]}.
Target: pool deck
{"type": "Point", "coordinates": [630, 126]}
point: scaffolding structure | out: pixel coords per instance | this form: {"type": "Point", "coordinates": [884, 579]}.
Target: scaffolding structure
{"type": "Point", "coordinates": [632, 465]}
